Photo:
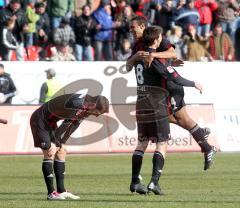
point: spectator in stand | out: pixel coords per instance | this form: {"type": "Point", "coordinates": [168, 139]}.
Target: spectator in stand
{"type": "Point", "coordinates": [7, 40]}
{"type": "Point", "coordinates": [205, 9]}
{"type": "Point", "coordinates": [125, 51]}
{"type": "Point", "coordinates": [43, 29]}
{"type": "Point", "coordinates": [30, 35]}
{"type": "Point", "coordinates": [220, 45]}
{"type": "Point", "coordinates": [57, 10]}
{"type": "Point", "coordinates": [24, 4]}
{"type": "Point", "coordinates": [7, 87]}
{"type": "Point", "coordinates": [14, 11]}
{"type": "Point", "coordinates": [164, 15]}
{"type": "Point", "coordinates": [118, 6]}
{"type": "Point", "coordinates": [81, 3]}
{"type": "Point", "coordinates": [104, 35]}
{"type": "Point", "coordinates": [123, 31]}
{"type": "Point", "coordinates": [62, 52]}
{"type": "Point", "coordinates": [176, 39]}
{"type": "Point", "coordinates": [84, 27]}
{"type": "Point", "coordinates": [180, 4]}
{"type": "Point", "coordinates": [225, 14]}
{"type": "Point", "coordinates": [64, 33]}
{"type": "Point", "coordinates": [187, 15]}
{"type": "Point", "coordinates": [195, 48]}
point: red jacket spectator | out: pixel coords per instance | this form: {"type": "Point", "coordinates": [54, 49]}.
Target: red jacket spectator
{"type": "Point", "coordinates": [205, 9]}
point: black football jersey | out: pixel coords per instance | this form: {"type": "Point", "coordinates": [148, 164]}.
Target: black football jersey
{"type": "Point", "coordinates": [64, 107]}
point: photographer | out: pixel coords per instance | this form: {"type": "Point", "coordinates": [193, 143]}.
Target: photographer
{"type": "Point", "coordinates": [84, 27]}
{"type": "Point", "coordinates": [7, 87]}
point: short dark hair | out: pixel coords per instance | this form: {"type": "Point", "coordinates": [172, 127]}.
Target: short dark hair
{"type": "Point", "coordinates": [1, 66]}
{"type": "Point", "coordinates": [39, 5]}
{"type": "Point", "coordinates": [86, 5]}
{"type": "Point", "coordinates": [8, 22]}
{"type": "Point", "coordinates": [150, 34]}
{"type": "Point", "coordinates": [140, 20]}
{"type": "Point", "coordinates": [15, 1]}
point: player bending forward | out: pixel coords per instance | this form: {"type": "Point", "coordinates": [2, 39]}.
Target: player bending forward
{"type": "Point", "coordinates": [72, 109]}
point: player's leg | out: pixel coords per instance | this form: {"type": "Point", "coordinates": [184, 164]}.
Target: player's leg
{"type": "Point", "coordinates": [182, 118]}
{"type": "Point", "coordinates": [42, 139]}
{"type": "Point", "coordinates": [185, 121]}
{"type": "Point", "coordinates": [59, 170]}
{"type": "Point", "coordinates": [47, 169]}
{"type": "Point", "coordinates": [158, 164]}
{"type": "Point", "coordinates": [137, 158]}
{"type": "Point", "coordinates": [160, 134]}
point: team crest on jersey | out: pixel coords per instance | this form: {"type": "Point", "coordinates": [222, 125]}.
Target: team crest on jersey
{"type": "Point", "coordinates": [170, 69]}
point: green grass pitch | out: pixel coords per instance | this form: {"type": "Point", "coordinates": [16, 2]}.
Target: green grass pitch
{"type": "Point", "coordinates": [103, 181]}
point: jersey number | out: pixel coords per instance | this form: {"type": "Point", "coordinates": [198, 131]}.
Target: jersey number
{"type": "Point", "coordinates": [139, 72]}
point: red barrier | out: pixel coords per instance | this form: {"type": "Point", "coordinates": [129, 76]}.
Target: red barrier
{"type": "Point", "coordinates": [104, 134]}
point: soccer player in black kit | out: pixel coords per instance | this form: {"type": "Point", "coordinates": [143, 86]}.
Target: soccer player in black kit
{"type": "Point", "coordinates": [72, 109]}
{"type": "Point", "coordinates": [152, 111]}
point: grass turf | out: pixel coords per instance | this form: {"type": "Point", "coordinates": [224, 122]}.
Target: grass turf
{"type": "Point", "coordinates": [103, 181]}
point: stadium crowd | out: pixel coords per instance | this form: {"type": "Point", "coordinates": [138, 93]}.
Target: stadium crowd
{"type": "Point", "coordinates": [86, 30]}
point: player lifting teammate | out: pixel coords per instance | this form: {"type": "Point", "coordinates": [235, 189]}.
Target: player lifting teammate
{"type": "Point", "coordinates": [72, 109]}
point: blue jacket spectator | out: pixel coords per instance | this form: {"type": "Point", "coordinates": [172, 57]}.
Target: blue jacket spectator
{"type": "Point", "coordinates": [105, 21]}
{"type": "Point", "coordinates": [187, 15]}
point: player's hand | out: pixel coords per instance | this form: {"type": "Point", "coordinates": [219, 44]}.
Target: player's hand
{"type": "Point", "coordinates": [177, 63]}
{"type": "Point", "coordinates": [52, 150]}
{"type": "Point", "coordinates": [148, 60]}
{"type": "Point", "coordinates": [198, 87]}
{"type": "Point", "coordinates": [142, 54]}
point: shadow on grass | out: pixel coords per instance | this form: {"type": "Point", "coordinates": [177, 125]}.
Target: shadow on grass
{"type": "Point", "coordinates": [21, 193]}
{"type": "Point", "coordinates": [153, 201]}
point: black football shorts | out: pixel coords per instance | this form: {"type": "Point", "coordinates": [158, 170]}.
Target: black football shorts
{"type": "Point", "coordinates": [152, 119]}
{"type": "Point", "coordinates": [175, 103]}
{"type": "Point", "coordinates": [42, 133]}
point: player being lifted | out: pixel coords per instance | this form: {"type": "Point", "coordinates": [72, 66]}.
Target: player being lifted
{"type": "Point", "coordinates": [180, 116]}
{"type": "Point", "coordinates": [152, 111]}
{"type": "Point", "coordinates": [72, 109]}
